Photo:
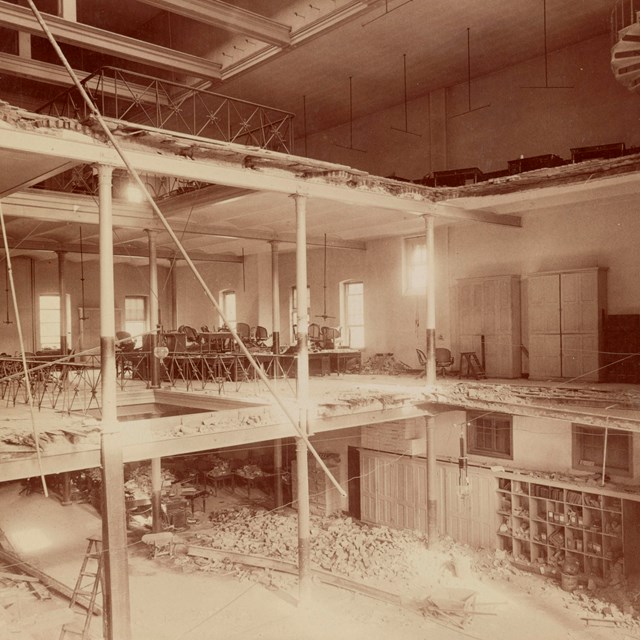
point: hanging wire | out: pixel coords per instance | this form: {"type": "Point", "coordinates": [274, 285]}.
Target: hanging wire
{"type": "Point", "coordinates": [23, 355]}
{"type": "Point", "coordinates": [165, 223]}
{"type": "Point", "coordinates": [83, 317]}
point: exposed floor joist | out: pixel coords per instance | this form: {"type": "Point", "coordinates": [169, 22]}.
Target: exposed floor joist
{"type": "Point", "coordinates": [225, 16]}
{"type": "Point", "coordinates": [94, 39]}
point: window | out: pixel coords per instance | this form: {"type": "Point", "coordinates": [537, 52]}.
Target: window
{"type": "Point", "coordinates": [489, 434]}
{"type": "Point", "coordinates": [353, 314]}
{"type": "Point", "coordinates": [415, 266]}
{"type": "Point", "coordinates": [50, 321]}
{"type": "Point", "coordinates": [228, 303]}
{"type": "Point", "coordinates": [588, 449]}
{"type": "Point", "coordinates": [293, 309]}
{"type": "Point", "coordinates": [135, 317]}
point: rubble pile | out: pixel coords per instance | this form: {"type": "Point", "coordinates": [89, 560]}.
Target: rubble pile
{"type": "Point", "coordinates": [385, 363]}
{"type": "Point", "coordinates": [339, 544]}
{"type": "Point", "coordinates": [138, 483]}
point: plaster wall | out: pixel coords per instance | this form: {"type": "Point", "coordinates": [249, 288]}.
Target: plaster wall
{"type": "Point", "coordinates": [539, 444]}
{"type": "Point", "coordinates": [130, 279]}
{"type": "Point", "coordinates": [507, 119]}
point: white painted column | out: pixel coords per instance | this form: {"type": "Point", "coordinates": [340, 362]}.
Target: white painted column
{"type": "Point", "coordinates": [154, 368]}
{"type": "Point", "coordinates": [67, 9]}
{"type": "Point", "coordinates": [114, 535]}
{"type": "Point", "coordinates": [302, 463]}
{"type": "Point", "coordinates": [62, 290]}
{"type": "Point", "coordinates": [275, 338]}
{"type": "Point", "coordinates": [432, 483]}
{"type": "Point", "coordinates": [430, 349]}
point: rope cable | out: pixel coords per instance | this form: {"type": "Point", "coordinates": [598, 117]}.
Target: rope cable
{"type": "Point", "coordinates": [165, 223]}
{"type": "Point", "coordinates": [25, 368]}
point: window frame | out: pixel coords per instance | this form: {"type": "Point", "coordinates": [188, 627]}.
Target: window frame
{"type": "Point", "coordinates": [480, 419]}
{"type": "Point", "coordinates": [138, 323]}
{"type": "Point", "coordinates": [48, 342]}
{"type": "Point", "coordinates": [345, 312]}
{"type": "Point", "coordinates": [231, 314]}
{"type": "Point", "coordinates": [578, 453]}
{"type": "Point", "coordinates": [414, 262]}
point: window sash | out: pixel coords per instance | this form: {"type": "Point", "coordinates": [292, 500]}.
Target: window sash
{"type": "Point", "coordinates": [490, 435]}
{"type": "Point", "coordinates": [415, 265]}
{"type": "Point", "coordinates": [588, 447]}
{"type": "Point", "coordinates": [354, 314]}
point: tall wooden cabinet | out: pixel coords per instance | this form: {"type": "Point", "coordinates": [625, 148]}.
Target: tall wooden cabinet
{"type": "Point", "coordinates": [489, 322]}
{"type": "Point", "coordinates": [566, 318]}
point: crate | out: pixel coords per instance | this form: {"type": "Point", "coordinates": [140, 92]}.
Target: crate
{"type": "Point", "coordinates": [457, 177]}
{"type": "Point", "coordinates": [598, 152]}
{"type": "Point", "coordinates": [534, 162]}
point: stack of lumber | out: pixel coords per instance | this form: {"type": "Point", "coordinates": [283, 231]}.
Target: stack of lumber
{"type": "Point", "coordinates": [338, 544]}
{"type": "Point", "coordinates": [20, 614]}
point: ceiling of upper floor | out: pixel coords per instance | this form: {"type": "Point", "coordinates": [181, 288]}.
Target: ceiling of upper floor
{"type": "Point", "coordinates": [327, 61]}
{"type": "Point", "coordinates": [332, 60]}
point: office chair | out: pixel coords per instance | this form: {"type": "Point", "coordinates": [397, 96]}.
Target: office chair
{"type": "Point", "coordinates": [244, 332]}
{"type": "Point", "coordinates": [315, 336]}
{"type": "Point", "coordinates": [329, 337]}
{"type": "Point", "coordinates": [444, 360]}
{"type": "Point", "coordinates": [422, 361]}
{"type": "Point", "coordinates": [125, 341]}
{"type": "Point", "coordinates": [260, 336]}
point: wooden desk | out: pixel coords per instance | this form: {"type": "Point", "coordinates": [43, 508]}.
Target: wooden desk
{"type": "Point", "coordinates": [216, 481]}
{"type": "Point", "coordinates": [193, 493]}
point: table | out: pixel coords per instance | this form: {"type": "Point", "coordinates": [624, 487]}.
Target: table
{"type": "Point", "coordinates": [219, 480]}
{"type": "Point", "coordinates": [193, 493]}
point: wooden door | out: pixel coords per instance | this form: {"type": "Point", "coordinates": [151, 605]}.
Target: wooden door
{"type": "Point", "coordinates": [544, 356]}
{"type": "Point", "coordinates": [353, 481]}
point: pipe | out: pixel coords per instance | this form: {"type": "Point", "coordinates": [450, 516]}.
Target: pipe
{"type": "Point", "coordinates": [153, 308]}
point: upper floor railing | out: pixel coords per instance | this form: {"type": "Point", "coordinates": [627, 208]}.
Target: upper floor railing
{"type": "Point", "coordinates": [163, 104]}
{"type": "Point", "coordinates": [624, 14]}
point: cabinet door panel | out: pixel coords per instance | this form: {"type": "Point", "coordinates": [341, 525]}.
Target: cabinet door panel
{"type": "Point", "coordinates": [580, 356]}
{"type": "Point", "coordinates": [544, 356]}
{"type": "Point", "coordinates": [544, 304]}
{"type": "Point", "coordinates": [579, 302]}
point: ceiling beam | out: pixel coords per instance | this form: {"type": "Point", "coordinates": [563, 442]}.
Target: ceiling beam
{"type": "Point", "coordinates": [55, 74]}
{"type": "Point", "coordinates": [225, 16]}
{"type": "Point", "coordinates": [38, 204]}
{"type": "Point", "coordinates": [122, 250]}
{"type": "Point", "coordinates": [110, 43]}
{"type": "Point", "coordinates": [90, 150]}
{"type": "Point", "coordinates": [304, 34]}
{"type": "Point", "coordinates": [39, 177]}
{"type": "Point", "coordinates": [449, 210]}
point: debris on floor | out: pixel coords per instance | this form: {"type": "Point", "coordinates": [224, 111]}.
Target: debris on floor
{"type": "Point", "coordinates": [386, 363]}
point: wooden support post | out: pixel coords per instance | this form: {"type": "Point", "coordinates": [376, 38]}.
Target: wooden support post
{"type": "Point", "coordinates": [174, 295]}
{"type": "Point", "coordinates": [302, 393]}
{"type": "Point", "coordinates": [277, 464]}
{"type": "Point", "coordinates": [154, 364]}
{"type": "Point", "coordinates": [114, 534]}
{"type": "Point", "coordinates": [431, 302]}
{"type": "Point", "coordinates": [66, 489]}
{"type": "Point", "coordinates": [156, 495]}
{"type": "Point", "coordinates": [432, 483]}
{"type": "Point", "coordinates": [62, 289]}
{"type": "Point", "coordinates": [275, 299]}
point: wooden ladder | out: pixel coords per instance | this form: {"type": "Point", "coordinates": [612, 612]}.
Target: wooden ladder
{"type": "Point", "coordinates": [88, 585]}
{"type": "Point", "coordinates": [473, 366]}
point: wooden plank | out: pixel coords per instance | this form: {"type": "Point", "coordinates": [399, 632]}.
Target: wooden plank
{"type": "Point", "coordinates": [48, 581]}
{"type": "Point", "coordinates": [16, 577]}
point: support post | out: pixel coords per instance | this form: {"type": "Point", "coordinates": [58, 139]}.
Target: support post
{"type": "Point", "coordinates": [156, 495]}
{"type": "Point", "coordinates": [430, 349]}
{"type": "Point", "coordinates": [302, 393]}
{"type": "Point", "coordinates": [174, 295]}
{"type": "Point", "coordinates": [62, 289]}
{"type": "Point", "coordinates": [275, 298]}
{"type": "Point", "coordinates": [114, 535]}
{"type": "Point", "coordinates": [154, 364]}
{"type": "Point", "coordinates": [432, 483]}
{"type": "Point", "coordinates": [275, 348]}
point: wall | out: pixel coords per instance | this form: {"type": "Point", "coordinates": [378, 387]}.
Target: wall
{"type": "Point", "coordinates": [596, 109]}
{"type": "Point", "coordinates": [539, 444]}
{"type": "Point", "coordinates": [130, 279]}
{"type": "Point", "coordinates": [342, 264]}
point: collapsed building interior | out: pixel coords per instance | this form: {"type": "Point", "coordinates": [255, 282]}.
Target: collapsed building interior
{"type": "Point", "coordinates": [315, 269]}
